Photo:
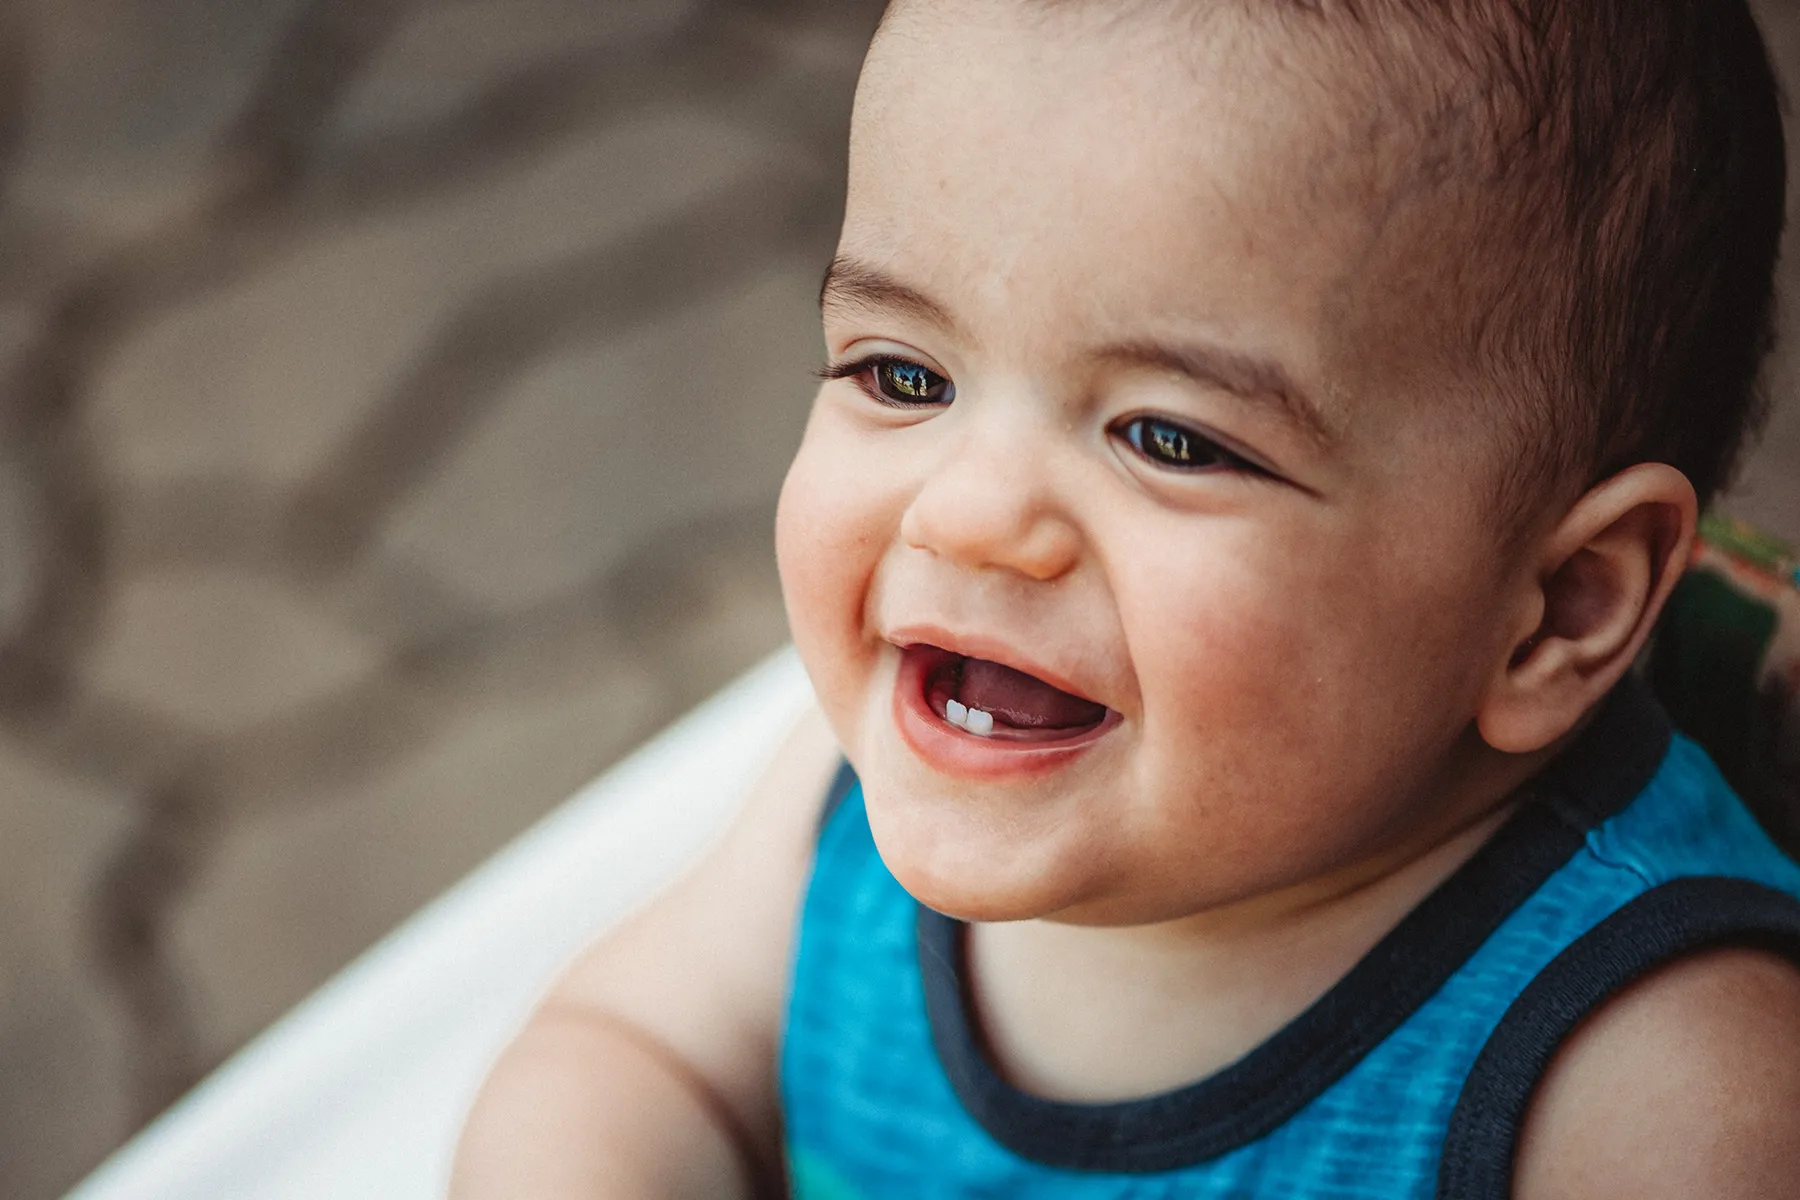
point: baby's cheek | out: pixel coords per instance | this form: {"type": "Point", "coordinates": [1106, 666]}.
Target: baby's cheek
{"type": "Point", "coordinates": [1261, 675]}
{"type": "Point", "coordinates": [827, 544]}
{"type": "Point", "coordinates": [1220, 645]}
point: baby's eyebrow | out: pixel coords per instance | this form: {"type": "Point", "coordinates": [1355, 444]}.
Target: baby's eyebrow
{"type": "Point", "coordinates": [855, 284]}
{"type": "Point", "coordinates": [849, 283]}
{"type": "Point", "coordinates": [1258, 380]}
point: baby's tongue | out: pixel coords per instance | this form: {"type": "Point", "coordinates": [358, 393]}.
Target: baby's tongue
{"type": "Point", "coordinates": [1023, 701]}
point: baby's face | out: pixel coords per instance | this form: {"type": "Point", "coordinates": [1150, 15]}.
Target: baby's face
{"type": "Point", "coordinates": [1130, 587]}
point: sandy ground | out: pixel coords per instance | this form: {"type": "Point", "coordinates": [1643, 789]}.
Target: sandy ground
{"type": "Point", "coordinates": [397, 392]}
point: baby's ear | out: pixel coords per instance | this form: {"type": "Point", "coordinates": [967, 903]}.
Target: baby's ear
{"type": "Point", "coordinates": [1598, 582]}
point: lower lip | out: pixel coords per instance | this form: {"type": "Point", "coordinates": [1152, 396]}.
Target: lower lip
{"type": "Point", "coordinates": [955, 751]}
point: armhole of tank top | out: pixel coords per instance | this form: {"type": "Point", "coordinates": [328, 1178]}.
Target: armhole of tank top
{"type": "Point", "coordinates": [841, 783]}
{"type": "Point", "coordinates": [1670, 921]}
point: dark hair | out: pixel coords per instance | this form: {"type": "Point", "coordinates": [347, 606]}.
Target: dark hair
{"type": "Point", "coordinates": [1633, 174]}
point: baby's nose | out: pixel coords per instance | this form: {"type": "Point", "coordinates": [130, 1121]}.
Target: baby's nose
{"type": "Point", "coordinates": [994, 510]}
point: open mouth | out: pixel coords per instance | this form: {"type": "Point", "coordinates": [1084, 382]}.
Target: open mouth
{"type": "Point", "coordinates": [989, 700]}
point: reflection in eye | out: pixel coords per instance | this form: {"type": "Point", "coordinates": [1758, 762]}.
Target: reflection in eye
{"type": "Point", "coordinates": [898, 381]}
{"type": "Point", "coordinates": [1168, 444]}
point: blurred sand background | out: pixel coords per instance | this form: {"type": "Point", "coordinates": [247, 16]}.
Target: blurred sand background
{"type": "Point", "coordinates": [395, 397]}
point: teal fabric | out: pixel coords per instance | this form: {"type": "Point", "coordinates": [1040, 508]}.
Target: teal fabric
{"type": "Point", "coordinates": [871, 1114]}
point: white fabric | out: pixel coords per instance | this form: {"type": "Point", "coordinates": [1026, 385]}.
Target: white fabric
{"type": "Point", "coordinates": [359, 1093]}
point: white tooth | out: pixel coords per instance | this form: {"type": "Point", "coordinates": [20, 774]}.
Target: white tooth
{"type": "Point", "coordinates": [980, 723]}
{"type": "Point", "coordinates": [956, 714]}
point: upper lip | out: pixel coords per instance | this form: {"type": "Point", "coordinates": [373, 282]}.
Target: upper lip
{"type": "Point", "coordinates": [976, 645]}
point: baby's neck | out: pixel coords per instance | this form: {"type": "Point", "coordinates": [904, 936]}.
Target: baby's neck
{"type": "Point", "coordinates": [1092, 1014]}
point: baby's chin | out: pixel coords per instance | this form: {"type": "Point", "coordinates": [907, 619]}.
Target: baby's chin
{"type": "Point", "coordinates": [972, 895]}
{"type": "Point", "coordinates": [974, 867]}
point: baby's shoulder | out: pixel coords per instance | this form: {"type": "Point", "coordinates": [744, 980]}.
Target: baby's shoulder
{"type": "Point", "coordinates": [1687, 1083]}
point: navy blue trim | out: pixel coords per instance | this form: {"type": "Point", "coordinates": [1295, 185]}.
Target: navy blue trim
{"type": "Point", "coordinates": [841, 783]}
{"type": "Point", "coordinates": [1599, 775]}
{"type": "Point", "coordinates": [1670, 921]}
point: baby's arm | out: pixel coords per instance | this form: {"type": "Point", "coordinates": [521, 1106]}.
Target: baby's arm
{"type": "Point", "coordinates": [1687, 1084]}
{"type": "Point", "coordinates": [649, 1070]}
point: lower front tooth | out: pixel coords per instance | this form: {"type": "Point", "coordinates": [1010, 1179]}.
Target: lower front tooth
{"type": "Point", "coordinates": [956, 713]}
{"type": "Point", "coordinates": [979, 722]}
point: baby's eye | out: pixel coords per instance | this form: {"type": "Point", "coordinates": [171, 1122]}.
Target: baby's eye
{"type": "Point", "coordinates": [1170, 445]}
{"type": "Point", "coordinates": [899, 382]}
{"type": "Point", "coordinates": [896, 382]}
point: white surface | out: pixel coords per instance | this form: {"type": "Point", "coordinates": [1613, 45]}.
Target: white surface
{"type": "Point", "coordinates": [358, 1094]}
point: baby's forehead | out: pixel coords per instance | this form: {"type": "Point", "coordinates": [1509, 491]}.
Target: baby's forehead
{"type": "Point", "coordinates": [1052, 177]}
{"type": "Point", "coordinates": [1356, 70]}
{"type": "Point", "coordinates": [1320, 118]}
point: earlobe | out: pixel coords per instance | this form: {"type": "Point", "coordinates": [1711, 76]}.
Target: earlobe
{"type": "Point", "coordinates": [1599, 581]}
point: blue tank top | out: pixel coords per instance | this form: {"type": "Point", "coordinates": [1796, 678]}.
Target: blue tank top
{"type": "Point", "coordinates": [1408, 1078]}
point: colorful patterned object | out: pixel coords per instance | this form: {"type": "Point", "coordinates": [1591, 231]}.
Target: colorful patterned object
{"type": "Point", "coordinates": [1744, 543]}
{"type": "Point", "coordinates": [1726, 664]}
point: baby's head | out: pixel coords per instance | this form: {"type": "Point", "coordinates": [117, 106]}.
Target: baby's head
{"type": "Point", "coordinates": [1260, 430]}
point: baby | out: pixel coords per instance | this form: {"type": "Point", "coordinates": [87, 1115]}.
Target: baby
{"type": "Point", "coordinates": [1258, 438]}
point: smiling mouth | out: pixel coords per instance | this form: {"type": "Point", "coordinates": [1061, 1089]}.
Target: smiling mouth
{"type": "Point", "coordinates": [990, 700]}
